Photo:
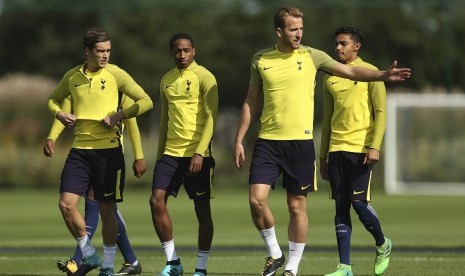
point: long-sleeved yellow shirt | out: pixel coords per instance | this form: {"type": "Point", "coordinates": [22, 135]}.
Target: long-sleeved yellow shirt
{"type": "Point", "coordinates": [189, 108]}
{"type": "Point", "coordinates": [354, 114]}
{"type": "Point", "coordinates": [94, 97]}
{"type": "Point", "coordinates": [130, 124]}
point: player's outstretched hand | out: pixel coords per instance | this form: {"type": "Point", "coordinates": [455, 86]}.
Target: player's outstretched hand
{"type": "Point", "coordinates": [395, 74]}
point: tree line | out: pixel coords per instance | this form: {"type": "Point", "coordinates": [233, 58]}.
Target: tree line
{"type": "Point", "coordinates": [43, 38]}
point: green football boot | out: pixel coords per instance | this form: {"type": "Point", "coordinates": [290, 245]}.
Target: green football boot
{"type": "Point", "coordinates": [382, 257]}
{"type": "Point", "coordinates": [342, 270]}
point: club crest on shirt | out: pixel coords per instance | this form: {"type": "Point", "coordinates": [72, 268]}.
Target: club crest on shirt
{"type": "Point", "coordinates": [102, 81]}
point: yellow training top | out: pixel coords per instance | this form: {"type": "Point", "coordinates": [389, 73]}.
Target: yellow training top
{"type": "Point", "coordinates": [288, 82]}
{"type": "Point", "coordinates": [354, 114]}
{"type": "Point", "coordinates": [189, 107]}
{"type": "Point", "coordinates": [94, 97]}
{"type": "Point", "coordinates": [131, 125]}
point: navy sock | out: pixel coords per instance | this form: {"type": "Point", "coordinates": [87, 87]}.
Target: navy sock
{"type": "Point", "coordinates": [369, 219]}
{"type": "Point", "coordinates": [91, 217]}
{"type": "Point", "coordinates": [123, 240]}
{"type": "Point", "coordinates": [343, 230]}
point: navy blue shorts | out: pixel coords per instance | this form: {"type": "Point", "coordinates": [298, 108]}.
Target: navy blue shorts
{"type": "Point", "coordinates": [295, 159]}
{"type": "Point", "coordinates": [171, 173]}
{"type": "Point", "coordinates": [99, 169]}
{"type": "Point", "coordinates": [349, 178]}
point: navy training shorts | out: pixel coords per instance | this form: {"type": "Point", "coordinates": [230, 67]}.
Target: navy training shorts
{"type": "Point", "coordinates": [102, 170]}
{"type": "Point", "coordinates": [348, 176]}
{"type": "Point", "coordinates": [170, 173]}
{"type": "Point", "coordinates": [295, 159]}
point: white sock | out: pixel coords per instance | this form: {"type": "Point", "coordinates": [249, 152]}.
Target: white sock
{"type": "Point", "coordinates": [269, 237]}
{"type": "Point", "coordinates": [86, 247]}
{"type": "Point", "coordinates": [295, 255]}
{"type": "Point", "coordinates": [170, 251]}
{"type": "Point", "coordinates": [109, 252]}
{"type": "Point", "coordinates": [202, 258]}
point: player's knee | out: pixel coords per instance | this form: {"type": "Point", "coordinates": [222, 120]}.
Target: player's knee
{"type": "Point", "coordinates": [66, 207]}
{"type": "Point", "coordinates": [257, 203]}
{"type": "Point", "coordinates": [202, 207]}
{"type": "Point", "coordinates": [203, 215]}
{"type": "Point", "coordinates": [360, 206]}
{"type": "Point", "coordinates": [107, 208]}
{"type": "Point", "coordinates": [156, 203]}
{"type": "Point", "coordinates": [297, 211]}
{"type": "Point", "coordinates": [297, 205]}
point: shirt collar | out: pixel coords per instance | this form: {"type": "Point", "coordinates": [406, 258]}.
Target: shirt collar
{"type": "Point", "coordinates": [192, 66]}
{"type": "Point", "coordinates": [357, 61]}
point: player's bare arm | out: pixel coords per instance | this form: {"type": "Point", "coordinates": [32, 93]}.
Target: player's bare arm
{"type": "Point", "coordinates": [392, 74]}
{"type": "Point", "coordinates": [248, 112]}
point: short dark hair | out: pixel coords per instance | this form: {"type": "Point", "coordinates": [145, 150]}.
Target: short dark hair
{"type": "Point", "coordinates": [94, 36]}
{"type": "Point", "coordinates": [282, 13]}
{"type": "Point", "coordinates": [355, 34]}
{"type": "Point", "coordinates": [181, 36]}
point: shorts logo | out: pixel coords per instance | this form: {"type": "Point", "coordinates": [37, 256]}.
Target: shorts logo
{"type": "Point", "coordinates": [305, 187]}
{"type": "Point", "coordinates": [200, 193]}
{"type": "Point", "coordinates": [107, 195]}
{"type": "Point", "coordinates": [358, 192]}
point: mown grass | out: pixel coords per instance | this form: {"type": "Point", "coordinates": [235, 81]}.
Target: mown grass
{"type": "Point", "coordinates": [428, 234]}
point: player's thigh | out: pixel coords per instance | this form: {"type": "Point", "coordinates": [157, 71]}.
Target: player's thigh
{"type": "Point", "coordinates": [264, 167]}
{"type": "Point", "coordinates": [108, 174]}
{"type": "Point", "coordinates": [168, 174]}
{"type": "Point", "coordinates": [200, 186]}
{"type": "Point", "coordinates": [298, 166]}
{"type": "Point", "coordinates": [336, 175]}
{"type": "Point", "coordinates": [76, 173]}
{"type": "Point", "coordinates": [359, 176]}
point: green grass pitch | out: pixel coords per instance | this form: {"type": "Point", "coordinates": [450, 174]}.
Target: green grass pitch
{"type": "Point", "coordinates": [428, 234]}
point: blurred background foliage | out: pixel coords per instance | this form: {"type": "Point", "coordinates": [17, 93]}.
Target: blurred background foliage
{"type": "Point", "coordinates": [41, 40]}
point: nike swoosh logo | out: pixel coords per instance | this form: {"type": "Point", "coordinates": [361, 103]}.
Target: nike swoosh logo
{"type": "Point", "coordinates": [266, 68]}
{"type": "Point", "coordinates": [201, 193]}
{"type": "Point", "coordinates": [334, 82]}
{"type": "Point", "coordinates": [305, 187]}
{"type": "Point", "coordinates": [358, 192]}
{"type": "Point", "coordinates": [105, 194]}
